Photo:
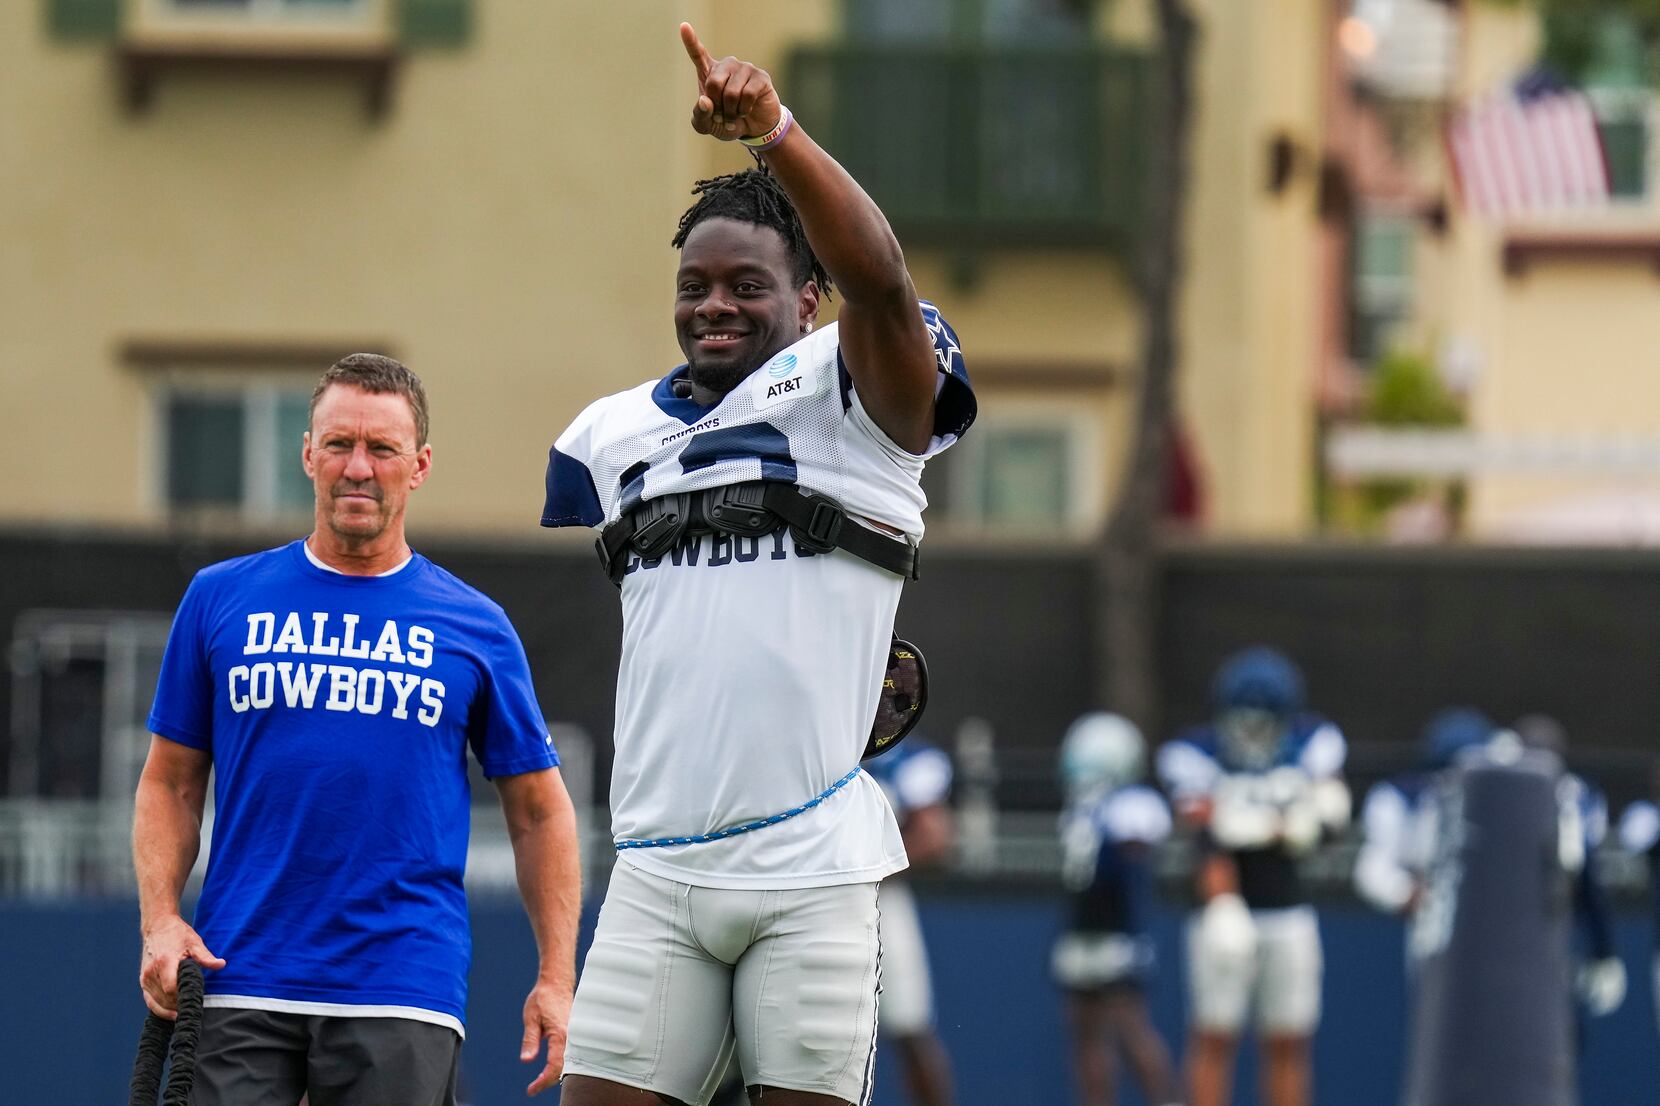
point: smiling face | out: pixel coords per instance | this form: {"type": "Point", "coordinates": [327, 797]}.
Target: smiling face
{"type": "Point", "coordinates": [363, 457]}
{"type": "Point", "coordinates": [736, 302]}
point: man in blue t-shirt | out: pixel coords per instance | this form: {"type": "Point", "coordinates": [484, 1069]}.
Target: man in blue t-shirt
{"type": "Point", "coordinates": [332, 688]}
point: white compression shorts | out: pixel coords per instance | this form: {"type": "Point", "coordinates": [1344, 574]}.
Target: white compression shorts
{"type": "Point", "coordinates": [678, 976]}
{"type": "Point", "coordinates": [1279, 990]}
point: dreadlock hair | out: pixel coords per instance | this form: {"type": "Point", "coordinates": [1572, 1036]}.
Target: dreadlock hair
{"type": "Point", "coordinates": [755, 196]}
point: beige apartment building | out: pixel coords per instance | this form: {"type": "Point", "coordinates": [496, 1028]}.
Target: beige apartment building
{"type": "Point", "coordinates": [203, 204]}
{"type": "Point", "coordinates": [1565, 311]}
{"type": "Point", "coordinates": [1543, 320]}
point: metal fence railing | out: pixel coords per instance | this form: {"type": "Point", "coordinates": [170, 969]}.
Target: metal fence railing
{"type": "Point", "coordinates": [1005, 802]}
{"type": "Point", "coordinates": [53, 850]}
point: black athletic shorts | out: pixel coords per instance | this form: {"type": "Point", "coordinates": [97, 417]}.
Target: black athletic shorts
{"type": "Point", "coordinates": [266, 1057]}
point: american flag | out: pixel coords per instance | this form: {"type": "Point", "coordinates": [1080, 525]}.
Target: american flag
{"type": "Point", "coordinates": [1529, 149]}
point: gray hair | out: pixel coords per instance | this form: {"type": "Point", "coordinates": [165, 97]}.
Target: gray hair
{"type": "Point", "coordinates": [379, 375]}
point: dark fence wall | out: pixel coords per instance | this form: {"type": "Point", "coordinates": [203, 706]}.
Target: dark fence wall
{"type": "Point", "coordinates": [1006, 636]}
{"type": "Point", "coordinates": [1384, 636]}
{"type": "Point", "coordinates": [1387, 636]}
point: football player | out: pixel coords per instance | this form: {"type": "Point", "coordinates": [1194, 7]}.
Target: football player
{"type": "Point", "coordinates": [1640, 834]}
{"type": "Point", "coordinates": [760, 506]}
{"type": "Point", "coordinates": [1600, 982]}
{"type": "Point", "coordinates": [1109, 828]}
{"type": "Point", "coordinates": [1261, 784]}
{"type": "Point", "coordinates": [916, 777]}
{"type": "Point", "coordinates": [1397, 818]}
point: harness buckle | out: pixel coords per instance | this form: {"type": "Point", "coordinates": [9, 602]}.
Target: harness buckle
{"type": "Point", "coordinates": [660, 522]}
{"type": "Point", "coordinates": [823, 527]}
{"type": "Point", "coordinates": [740, 509]}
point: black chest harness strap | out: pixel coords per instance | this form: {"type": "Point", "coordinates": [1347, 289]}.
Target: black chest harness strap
{"type": "Point", "coordinates": [752, 509]}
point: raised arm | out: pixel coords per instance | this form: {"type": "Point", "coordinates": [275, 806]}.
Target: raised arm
{"type": "Point", "coordinates": [885, 345]}
{"type": "Point", "coordinates": [167, 834]}
{"type": "Point", "coordinates": [542, 826]}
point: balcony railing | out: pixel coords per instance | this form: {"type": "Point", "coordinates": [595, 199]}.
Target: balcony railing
{"type": "Point", "coordinates": [986, 146]}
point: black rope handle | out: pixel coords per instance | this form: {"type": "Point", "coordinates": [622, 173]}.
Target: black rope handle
{"type": "Point", "coordinates": [153, 1043]}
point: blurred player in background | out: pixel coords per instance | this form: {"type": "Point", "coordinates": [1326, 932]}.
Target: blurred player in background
{"type": "Point", "coordinates": [1104, 960]}
{"type": "Point", "coordinates": [916, 777]}
{"type": "Point", "coordinates": [1400, 823]}
{"type": "Point", "coordinates": [761, 506]}
{"type": "Point", "coordinates": [1262, 786]}
{"type": "Point", "coordinates": [332, 688]}
{"type": "Point", "coordinates": [1640, 835]}
{"type": "Point", "coordinates": [1600, 982]}
{"type": "Point", "coordinates": [1397, 820]}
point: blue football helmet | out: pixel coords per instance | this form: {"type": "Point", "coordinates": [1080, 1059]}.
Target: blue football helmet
{"type": "Point", "coordinates": [1259, 677]}
{"type": "Point", "coordinates": [1452, 731]}
{"type": "Point", "coordinates": [1255, 695]}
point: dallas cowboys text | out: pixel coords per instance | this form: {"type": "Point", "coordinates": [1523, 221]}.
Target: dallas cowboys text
{"type": "Point", "coordinates": [340, 687]}
{"type": "Point", "coordinates": [717, 550]}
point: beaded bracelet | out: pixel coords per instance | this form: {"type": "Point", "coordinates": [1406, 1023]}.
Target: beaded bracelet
{"type": "Point", "coordinates": [759, 143]}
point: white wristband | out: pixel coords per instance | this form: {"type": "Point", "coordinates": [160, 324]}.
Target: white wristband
{"type": "Point", "coordinates": [760, 143]}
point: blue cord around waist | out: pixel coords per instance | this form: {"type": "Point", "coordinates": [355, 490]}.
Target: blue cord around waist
{"type": "Point", "coordinates": [733, 831]}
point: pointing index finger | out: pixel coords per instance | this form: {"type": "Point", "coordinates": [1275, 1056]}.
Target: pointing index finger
{"type": "Point", "coordinates": [694, 50]}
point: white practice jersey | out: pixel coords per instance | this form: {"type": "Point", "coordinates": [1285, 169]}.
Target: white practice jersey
{"type": "Point", "coordinates": [1640, 827]}
{"type": "Point", "coordinates": [1108, 818]}
{"type": "Point", "coordinates": [1399, 825]}
{"type": "Point", "coordinates": [750, 666]}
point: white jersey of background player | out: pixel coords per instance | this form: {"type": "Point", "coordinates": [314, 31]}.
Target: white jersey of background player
{"type": "Point", "coordinates": [751, 667]}
{"type": "Point", "coordinates": [1397, 819]}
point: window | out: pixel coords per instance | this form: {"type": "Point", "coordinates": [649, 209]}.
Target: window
{"type": "Point", "coordinates": [234, 447]}
{"type": "Point", "coordinates": [969, 20]}
{"type": "Point", "coordinates": [296, 13]}
{"type": "Point", "coordinates": [1381, 271]}
{"type": "Point", "coordinates": [1035, 20]}
{"type": "Point", "coordinates": [1022, 476]}
{"type": "Point", "coordinates": [265, 7]}
{"type": "Point", "coordinates": [917, 21]}
{"type": "Point", "coordinates": [1625, 119]}
{"type": "Point", "coordinates": [964, 171]}
{"type": "Point", "coordinates": [365, 23]}
{"type": "Point", "coordinates": [1027, 474]}
{"type": "Point", "coordinates": [1606, 53]}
